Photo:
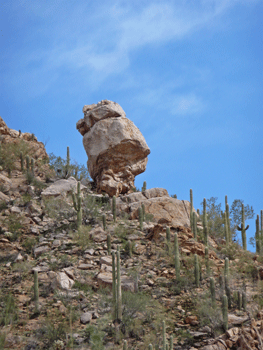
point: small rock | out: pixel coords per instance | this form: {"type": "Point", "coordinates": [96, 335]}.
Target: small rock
{"type": "Point", "coordinates": [86, 317]}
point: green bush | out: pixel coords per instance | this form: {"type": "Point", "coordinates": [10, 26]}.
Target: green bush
{"type": "Point", "coordinates": [10, 154]}
{"type": "Point", "coordinates": [9, 313]}
{"type": "Point", "coordinates": [76, 170]}
{"type": "Point", "coordinates": [95, 337]}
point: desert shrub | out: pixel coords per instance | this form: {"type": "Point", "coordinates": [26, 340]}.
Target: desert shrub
{"type": "Point", "coordinates": [209, 315]}
{"type": "Point", "coordinates": [185, 337]}
{"type": "Point", "coordinates": [28, 244]}
{"type": "Point", "coordinates": [10, 154]}
{"type": "Point", "coordinates": [57, 208]}
{"type": "Point", "coordinates": [82, 237]}
{"type": "Point", "coordinates": [2, 340]}
{"type": "Point", "coordinates": [92, 208]}
{"type": "Point", "coordinates": [58, 164]}
{"type": "Point", "coordinates": [9, 313]}
{"type": "Point", "coordinates": [121, 231]}
{"type": "Point", "coordinates": [3, 205]}
{"type": "Point", "coordinates": [138, 308]}
{"type": "Point", "coordinates": [50, 332]}
{"type": "Point", "coordinates": [232, 251]}
{"type": "Point", "coordinates": [95, 337]}
{"type": "Point", "coordinates": [82, 286]}
{"type": "Point", "coordinates": [62, 261]}
{"type": "Point", "coordinates": [12, 222]}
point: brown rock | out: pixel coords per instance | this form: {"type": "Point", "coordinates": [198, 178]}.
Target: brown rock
{"type": "Point", "coordinates": [165, 210]}
{"type": "Point", "coordinates": [192, 320]}
{"type": "Point", "coordinates": [116, 149]}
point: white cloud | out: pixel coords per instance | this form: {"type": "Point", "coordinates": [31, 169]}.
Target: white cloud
{"type": "Point", "coordinates": [101, 39]}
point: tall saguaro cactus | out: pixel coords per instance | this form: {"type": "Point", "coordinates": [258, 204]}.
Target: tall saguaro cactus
{"type": "Point", "coordinates": [205, 229]}
{"type": "Point", "coordinates": [36, 292]}
{"type": "Point", "coordinates": [144, 186]}
{"type": "Point", "coordinates": [257, 236]}
{"type": "Point", "coordinates": [116, 286]}
{"type": "Point", "coordinates": [228, 220]}
{"type": "Point", "coordinates": [140, 213]}
{"type": "Point", "coordinates": [114, 208]}
{"type": "Point", "coordinates": [67, 167]}
{"type": "Point", "coordinates": [243, 229]}
{"type": "Point", "coordinates": [195, 225]}
{"type": "Point", "coordinates": [196, 271]}
{"type": "Point", "coordinates": [77, 200]}
{"type": "Point", "coordinates": [212, 291]}
{"type": "Point", "coordinates": [225, 312]}
{"type": "Point", "coordinates": [164, 336]}
{"type": "Point", "coordinates": [191, 211]}
{"type": "Point", "coordinates": [176, 257]}
{"type": "Point", "coordinates": [22, 161]}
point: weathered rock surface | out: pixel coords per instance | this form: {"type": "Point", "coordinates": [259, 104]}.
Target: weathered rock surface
{"type": "Point", "coordinates": [116, 149]}
{"type": "Point", "coordinates": [165, 209]}
{"type": "Point", "coordinates": [60, 187]}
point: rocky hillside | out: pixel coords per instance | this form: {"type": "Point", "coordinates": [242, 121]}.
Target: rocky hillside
{"type": "Point", "coordinates": [62, 288]}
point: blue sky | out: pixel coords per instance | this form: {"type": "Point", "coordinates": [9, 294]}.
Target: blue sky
{"type": "Point", "coordinates": [188, 73]}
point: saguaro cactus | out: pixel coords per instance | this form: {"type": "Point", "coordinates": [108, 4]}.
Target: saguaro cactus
{"type": "Point", "coordinates": [228, 220]}
{"type": "Point", "coordinates": [109, 243]}
{"type": "Point", "coordinates": [176, 257]}
{"type": "Point", "coordinates": [243, 229]}
{"type": "Point", "coordinates": [227, 233]}
{"type": "Point", "coordinates": [125, 346]}
{"type": "Point", "coordinates": [143, 212]}
{"type": "Point", "coordinates": [77, 200]}
{"type": "Point", "coordinates": [27, 163]}
{"type": "Point", "coordinates": [118, 285]}
{"type": "Point", "coordinates": [226, 267]}
{"type": "Point", "coordinates": [196, 271]}
{"type": "Point", "coordinates": [213, 291]}
{"type": "Point", "coordinates": [114, 208]}
{"type": "Point", "coordinates": [207, 259]}
{"type": "Point", "coordinates": [22, 161]}
{"type": "Point", "coordinates": [257, 236]}
{"type": "Point", "coordinates": [144, 186]}
{"type": "Point", "coordinates": [205, 229]}
{"type": "Point", "coordinates": [239, 300]}
{"type": "Point", "coordinates": [36, 292]}
{"type": "Point", "coordinates": [168, 234]}
{"type": "Point", "coordinates": [171, 342]}
{"type": "Point", "coordinates": [164, 336]}
{"type": "Point", "coordinates": [67, 167]}
{"type": "Point", "coordinates": [225, 312]}
{"type": "Point", "coordinates": [104, 221]}
{"type": "Point", "coordinates": [244, 300]}
{"type": "Point", "coordinates": [140, 218]}
{"type": "Point", "coordinates": [195, 225]}
{"type": "Point", "coordinates": [114, 295]}
{"type": "Point", "coordinates": [191, 210]}
{"type": "Point", "coordinates": [32, 166]}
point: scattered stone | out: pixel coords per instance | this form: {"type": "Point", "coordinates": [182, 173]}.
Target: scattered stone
{"type": "Point", "coordinates": [86, 317]}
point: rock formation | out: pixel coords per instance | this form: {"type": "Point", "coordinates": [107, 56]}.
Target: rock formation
{"type": "Point", "coordinates": [116, 149]}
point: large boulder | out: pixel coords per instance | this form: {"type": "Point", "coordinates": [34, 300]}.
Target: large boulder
{"type": "Point", "coordinates": [116, 149]}
{"type": "Point", "coordinates": [157, 202]}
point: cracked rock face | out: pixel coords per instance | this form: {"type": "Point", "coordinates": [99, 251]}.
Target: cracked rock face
{"type": "Point", "coordinates": [116, 149]}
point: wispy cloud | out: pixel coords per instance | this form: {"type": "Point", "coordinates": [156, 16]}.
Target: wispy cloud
{"type": "Point", "coordinates": [101, 39]}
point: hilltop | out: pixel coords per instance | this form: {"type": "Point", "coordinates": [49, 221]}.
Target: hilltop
{"type": "Point", "coordinates": [56, 265]}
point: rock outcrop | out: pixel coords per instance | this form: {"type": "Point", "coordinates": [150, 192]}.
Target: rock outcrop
{"type": "Point", "coordinates": [116, 149]}
{"type": "Point", "coordinates": [11, 136]}
{"type": "Point", "coordinates": [157, 202]}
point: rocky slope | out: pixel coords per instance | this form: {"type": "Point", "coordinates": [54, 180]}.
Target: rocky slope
{"type": "Point", "coordinates": [75, 309]}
